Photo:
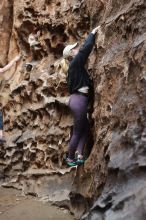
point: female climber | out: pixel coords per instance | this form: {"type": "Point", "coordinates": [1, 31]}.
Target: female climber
{"type": "Point", "coordinates": [79, 85]}
{"type": "Point", "coordinates": [2, 70]}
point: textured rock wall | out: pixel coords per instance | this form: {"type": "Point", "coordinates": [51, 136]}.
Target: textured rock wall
{"type": "Point", "coordinates": [37, 121]}
{"type": "Point", "coordinates": [6, 23]}
{"type": "Point", "coordinates": [117, 161]}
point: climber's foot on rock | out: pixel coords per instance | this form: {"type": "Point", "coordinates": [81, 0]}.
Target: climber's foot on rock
{"type": "Point", "coordinates": [79, 158]}
{"type": "Point", "coordinates": [80, 161]}
{"type": "Point", "coordinates": [70, 162]}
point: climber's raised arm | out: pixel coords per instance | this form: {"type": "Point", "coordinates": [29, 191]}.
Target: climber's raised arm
{"type": "Point", "coordinates": [8, 66]}
{"type": "Point", "coordinates": [85, 51]}
{"type": "Point", "coordinates": [81, 54]}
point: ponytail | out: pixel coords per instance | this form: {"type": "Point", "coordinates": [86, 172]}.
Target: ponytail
{"type": "Point", "coordinates": [62, 66]}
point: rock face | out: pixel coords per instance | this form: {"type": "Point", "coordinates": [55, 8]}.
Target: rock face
{"type": "Point", "coordinates": [111, 184]}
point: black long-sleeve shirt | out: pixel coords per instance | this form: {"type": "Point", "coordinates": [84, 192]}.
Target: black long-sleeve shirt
{"type": "Point", "coordinates": [77, 74]}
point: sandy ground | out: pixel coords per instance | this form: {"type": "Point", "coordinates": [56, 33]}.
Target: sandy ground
{"type": "Point", "coordinates": [14, 206]}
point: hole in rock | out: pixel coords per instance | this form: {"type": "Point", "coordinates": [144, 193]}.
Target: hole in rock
{"type": "Point", "coordinates": [32, 11]}
{"type": "Point", "coordinates": [109, 108]}
{"type": "Point", "coordinates": [55, 159]}
{"type": "Point", "coordinates": [58, 3]}
{"type": "Point", "coordinates": [48, 1]}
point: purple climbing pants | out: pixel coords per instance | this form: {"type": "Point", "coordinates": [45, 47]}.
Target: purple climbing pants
{"type": "Point", "coordinates": [78, 104]}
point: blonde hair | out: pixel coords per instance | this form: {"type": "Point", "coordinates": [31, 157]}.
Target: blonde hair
{"type": "Point", "coordinates": [62, 66]}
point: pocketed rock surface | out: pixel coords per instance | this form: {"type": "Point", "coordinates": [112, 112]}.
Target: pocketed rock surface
{"type": "Point", "coordinates": [37, 121]}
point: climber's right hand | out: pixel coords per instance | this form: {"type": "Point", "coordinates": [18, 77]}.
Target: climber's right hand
{"type": "Point", "coordinates": [95, 30]}
{"type": "Point", "coordinates": [18, 57]}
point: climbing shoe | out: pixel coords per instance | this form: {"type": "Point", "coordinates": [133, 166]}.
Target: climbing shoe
{"type": "Point", "coordinates": [80, 161]}
{"type": "Point", "coordinates": [78, 155]}
{"type": "Point", "coordinates": [70, 162]}
{"type": "Point", "coordinates": [79, 158]}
